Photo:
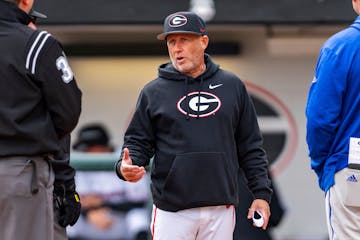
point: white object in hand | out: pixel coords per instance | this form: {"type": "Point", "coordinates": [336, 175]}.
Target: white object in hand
{"type": "Point", "coordinates": [258, 219]}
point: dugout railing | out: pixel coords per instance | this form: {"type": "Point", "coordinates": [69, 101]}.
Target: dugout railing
{"type": "Point", "coordinates": [101, 162]}
{"type": "Point", "coordinates": [93, 161]}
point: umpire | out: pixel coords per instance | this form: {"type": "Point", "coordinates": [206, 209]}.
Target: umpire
{"type": "Point", "coordinates": [40, 104]}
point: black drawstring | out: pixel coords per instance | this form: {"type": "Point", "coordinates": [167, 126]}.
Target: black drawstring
{"type": "Point", "coordinates": [199, 94]}
{"type": "Point", "coordinates": [186, 98]}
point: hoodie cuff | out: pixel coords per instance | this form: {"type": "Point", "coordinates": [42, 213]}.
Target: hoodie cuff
{"type": "Point", "coordinates": [117, 170]}
{"type": "Point", "coordinates": [263, 194]}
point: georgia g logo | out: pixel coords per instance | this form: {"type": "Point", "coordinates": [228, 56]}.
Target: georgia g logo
{"type": "Point", "coordinates": [205, 105]}
{"type": "Point", "coordinates": [177, 21]}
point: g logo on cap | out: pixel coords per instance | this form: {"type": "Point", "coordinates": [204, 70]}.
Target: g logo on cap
{"type": "Point", "coordinates": [177, 21]}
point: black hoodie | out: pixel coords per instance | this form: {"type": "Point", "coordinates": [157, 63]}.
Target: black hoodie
{"type": "Point", "coordinates": [200, 131]}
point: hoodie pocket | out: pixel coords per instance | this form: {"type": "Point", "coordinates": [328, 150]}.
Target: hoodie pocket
{"type": "Point", "coordinates": [200, 179]}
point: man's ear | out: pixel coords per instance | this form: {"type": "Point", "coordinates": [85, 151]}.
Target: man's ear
{"type": "Point", "coordinates": [25, 5]}
{"type": "Point", "coordinates": [204, 41]}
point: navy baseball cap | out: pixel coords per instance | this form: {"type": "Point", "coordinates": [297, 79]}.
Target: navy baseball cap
{"type": "Point", "coordinates": [37, 14]}
{"type": "Point", "coordinates": [183, 22]}
{"type": "Point", "coordinates": [34, 15]}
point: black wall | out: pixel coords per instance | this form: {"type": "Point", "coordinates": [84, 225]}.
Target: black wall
{"type": "Point", "coordinates": [227, 11]}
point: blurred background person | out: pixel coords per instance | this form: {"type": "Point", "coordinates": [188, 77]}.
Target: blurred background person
{"type": "Point", "coordinates": [109, 211]}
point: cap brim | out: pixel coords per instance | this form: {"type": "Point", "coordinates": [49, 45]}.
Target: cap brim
{"type": "Point", "coordinates": [37, 14]}
{"type": "Point", "coordinates": [162, 36]}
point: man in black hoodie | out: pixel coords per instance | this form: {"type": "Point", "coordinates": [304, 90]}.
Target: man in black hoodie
{"type": "Point", "coordinates": [199, 124]}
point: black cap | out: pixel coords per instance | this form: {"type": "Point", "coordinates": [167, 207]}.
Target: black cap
{"type": "Point", "coordinates": [37, 14]}
{"type": "Point", "coordinates": [183, 22]}
{"type": "Point", "coordinates": [34, 15]}
{"type": "Point", "coordinates": [91, 135]}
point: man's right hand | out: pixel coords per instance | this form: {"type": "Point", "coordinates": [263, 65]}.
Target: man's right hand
{"type": "Point", "coordinates": [130, 172]}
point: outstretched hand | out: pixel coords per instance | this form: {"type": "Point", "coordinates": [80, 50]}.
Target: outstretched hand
{"type": "Point", "coordinates": [130, 172]}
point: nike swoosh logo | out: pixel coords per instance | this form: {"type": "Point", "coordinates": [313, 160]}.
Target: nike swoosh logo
{"type": "Point", "coordinates": [215, 86]}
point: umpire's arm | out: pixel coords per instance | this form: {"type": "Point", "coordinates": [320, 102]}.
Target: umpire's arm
{"type": "Point", "coordinates": [58, 85]}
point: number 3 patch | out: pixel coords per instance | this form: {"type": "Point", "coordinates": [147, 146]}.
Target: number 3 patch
{"type": "Point", "coordinates": [63, 65]}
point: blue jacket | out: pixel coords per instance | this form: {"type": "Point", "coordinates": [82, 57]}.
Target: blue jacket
{"type": "Point", "coordinates": [333, 107]}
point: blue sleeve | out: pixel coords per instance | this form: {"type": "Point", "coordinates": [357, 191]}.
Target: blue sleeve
{"type": "Point", "coordinates": [323, 107]}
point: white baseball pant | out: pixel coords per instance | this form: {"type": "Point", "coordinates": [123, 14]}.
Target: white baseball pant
{"type": "Point", "coordinates": [204, 223]}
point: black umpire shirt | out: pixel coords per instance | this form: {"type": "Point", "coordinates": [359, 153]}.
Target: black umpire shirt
{"type": "Point", "coordinates": [40, 102]}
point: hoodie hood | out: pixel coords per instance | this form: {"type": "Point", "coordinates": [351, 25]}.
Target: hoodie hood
{"type": "Point", "coordinates": [167, 71]}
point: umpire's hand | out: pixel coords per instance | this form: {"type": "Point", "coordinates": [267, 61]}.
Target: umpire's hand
{"type": "Point", "coordinates": [130, 172]}
{"type": "Point", "coordinates": [70, 211]}
{"type": "Point", "coordinates": [67, 204]}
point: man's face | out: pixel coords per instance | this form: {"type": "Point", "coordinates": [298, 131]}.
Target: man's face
{"type": "Point", "coordinates": [186, 53]}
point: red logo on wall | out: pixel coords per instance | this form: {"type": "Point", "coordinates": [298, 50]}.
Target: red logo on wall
{"type": "Point", "coordinates": [277, 125]}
